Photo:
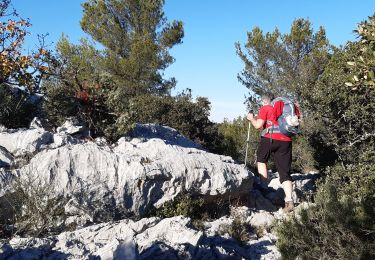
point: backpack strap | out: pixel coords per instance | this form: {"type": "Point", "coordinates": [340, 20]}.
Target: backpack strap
{"type": "Point", "coordinates": [270, 130]}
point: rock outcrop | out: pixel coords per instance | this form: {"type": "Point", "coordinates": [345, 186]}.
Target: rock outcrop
{"type": "Point", "coordinates": [125, 239]}
{"type": "Point", "coordinates": [137, 173]}
{"type": "Point", "coordinates": [149, 238]}
{"type": "Point", "coordinates": [6, 158]}
{"type": "Point", "coordinates": [149, 167]}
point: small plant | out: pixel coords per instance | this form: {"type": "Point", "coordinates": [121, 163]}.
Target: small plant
{"type": "Point", "coordinates": [29, 209]}
{"type": "Point", "coordinates": [260, 231]}
{"type": "Point", "coordinates": [238, 230]}
{"type": "Point", "coordinates": [183, 204]}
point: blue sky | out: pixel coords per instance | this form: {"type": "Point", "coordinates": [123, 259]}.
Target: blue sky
{"type": "Point", "coordinates": [206, 61]}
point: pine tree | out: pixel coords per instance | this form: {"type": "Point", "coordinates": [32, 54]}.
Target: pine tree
{"type": "Point", "coordinates": [136, 38]}
{"type": "Point", "coordinates": [284, 64]}
{"type": "Point", "coordinates": [101, 82]}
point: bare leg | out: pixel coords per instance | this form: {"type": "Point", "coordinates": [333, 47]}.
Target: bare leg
{"type": "Point", "coordinates": [262, 170]}
{"type": "Point", "coordinates": [288, 189]}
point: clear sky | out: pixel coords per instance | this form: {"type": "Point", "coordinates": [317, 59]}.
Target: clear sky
{"type": "Point", "coordinates": [206, 61]}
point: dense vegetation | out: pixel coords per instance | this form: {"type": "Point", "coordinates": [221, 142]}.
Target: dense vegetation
{"type": "Point", "coordinates": [343, 99]}
{"type": "Point", "coordinates": [20, 74]}
{"type": "Point", "coordinates": [336, 89]}
{"type": "Point", "coordinates": [110, 88]}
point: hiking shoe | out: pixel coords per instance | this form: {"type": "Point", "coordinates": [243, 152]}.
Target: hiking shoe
{"type": "Point", "coordinates": [289, 207]}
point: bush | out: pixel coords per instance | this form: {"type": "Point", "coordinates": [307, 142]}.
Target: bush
{"type": "Point", "coordinates": [303, 155]}
{"type": "Point", "coordinates": [341, 223]}
{"type": "Point", "coordinates": [239, 230]}
{"type": "Point", "coordinates": [189, 117]}
{"type": "Point", "coordinates": [195, 207]}
{"type": "Point", "coordinates": [78, 87]}
{"type": "Point", "coordinates": [183, 205]}
{"type": "Point", "coordinates": [29, 210]}
{"type": "Point", "coordinates": [16, 108]}
{"type": "Point", "coordinates": [234, 137]}
{"type": "Point", "coordinates": [59, 104]}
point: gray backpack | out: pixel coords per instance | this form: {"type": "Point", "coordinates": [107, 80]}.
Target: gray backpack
{"type": "Point", "coordinates": [288, 120]}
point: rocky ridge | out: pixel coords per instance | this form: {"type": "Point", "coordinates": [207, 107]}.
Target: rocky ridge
{"type": "Point", "coordinates": [142, 171]}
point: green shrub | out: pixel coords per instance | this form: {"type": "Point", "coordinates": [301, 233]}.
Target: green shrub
{"type": "Point", "coordinates": [29, 211]}
{"type": "Point", "coordinates": [183, 205]}
{"type": "Point", "coordinates": [16, 110]}
{"type": "Point", "coordinates": [189, 117]}
{"type": "Point", "coordinates": [196, 207]}
{"type": "Point", "coordinates": [340, 225]}
{"type": "Point", "coordinates": [59, 104]}
{"type": "Point", "coordinates": [303, 155]}
{"type": "Point", "coordinates": [234, 137]}
{"type": "Point", "coordinates": [239, 230]}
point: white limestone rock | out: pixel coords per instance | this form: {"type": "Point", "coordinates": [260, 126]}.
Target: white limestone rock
{"type": "Point", "coordinates": [115, 240]}
{"type": "Point", "coordinates": [303, 187]}
{"type": "Point", "coordinates": [264, 248]}
{"type": "Point", "coordinates": [167, 134]}
{"type": "Point", "coordinates": [149, 238]}
{"type": "Point", "coordinates": [103, 241]}
{"type": "Point", "coordinates": [172, 231]}
{"type": "Point", "coordinates": [6, 179]}
{"type": "Point", "coordinates": [25, 141]}
{"type": "Point", "coordinates": [217, 226]}
{"type": "Point", "coordinates": [70, 127]}
{"type": "Point", "coordinates": [6, 158]}
{"type": "Point", "coordinates": [61, 139]}
{"type": "Point", "coordinates": [261, 219]}
{"type": "Point", "coordinates": [135, 174]}
{"type": "Point", "coordinates": [36, 123]}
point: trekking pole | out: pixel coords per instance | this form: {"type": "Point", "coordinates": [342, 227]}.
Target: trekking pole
{"type": "Point", "coordinates": [247, 143]}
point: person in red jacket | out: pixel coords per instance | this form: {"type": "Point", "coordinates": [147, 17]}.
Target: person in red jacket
{"type": "Point", "coordinates": [278, 144]}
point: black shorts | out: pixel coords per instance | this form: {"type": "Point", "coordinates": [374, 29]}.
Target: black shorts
{"type": "Point", "coordinates": [282, 152]}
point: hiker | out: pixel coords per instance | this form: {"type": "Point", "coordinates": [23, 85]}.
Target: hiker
{"type": "Point", "coordinates": [274, 142]}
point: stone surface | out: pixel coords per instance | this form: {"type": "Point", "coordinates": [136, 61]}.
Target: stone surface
{"type": "Point", "coordinates": [6, 158]}
{"type": "Point", "coordinates": [167, 134]}
{"type": "Point", "coordinates": [150, 238]}
{"type": "Point", "coordinates": [261, 219]}
{"type": "Point", "coordinates": [119, 240]}
{"type": "Point", "coordinates": [70, 127]}
{"type": "Point", "coordinates": [6, 179]}
{"type": "Point", "coordinates": [24, 141]}
{"type": "Point", "coordinates": [134, 175]}
{"type": "Point", "coordinates": [151, 166]}
{"type": "Point", "coordinates": [303, 187]}
{"type": "Point", "coordinates": [172, 230]}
